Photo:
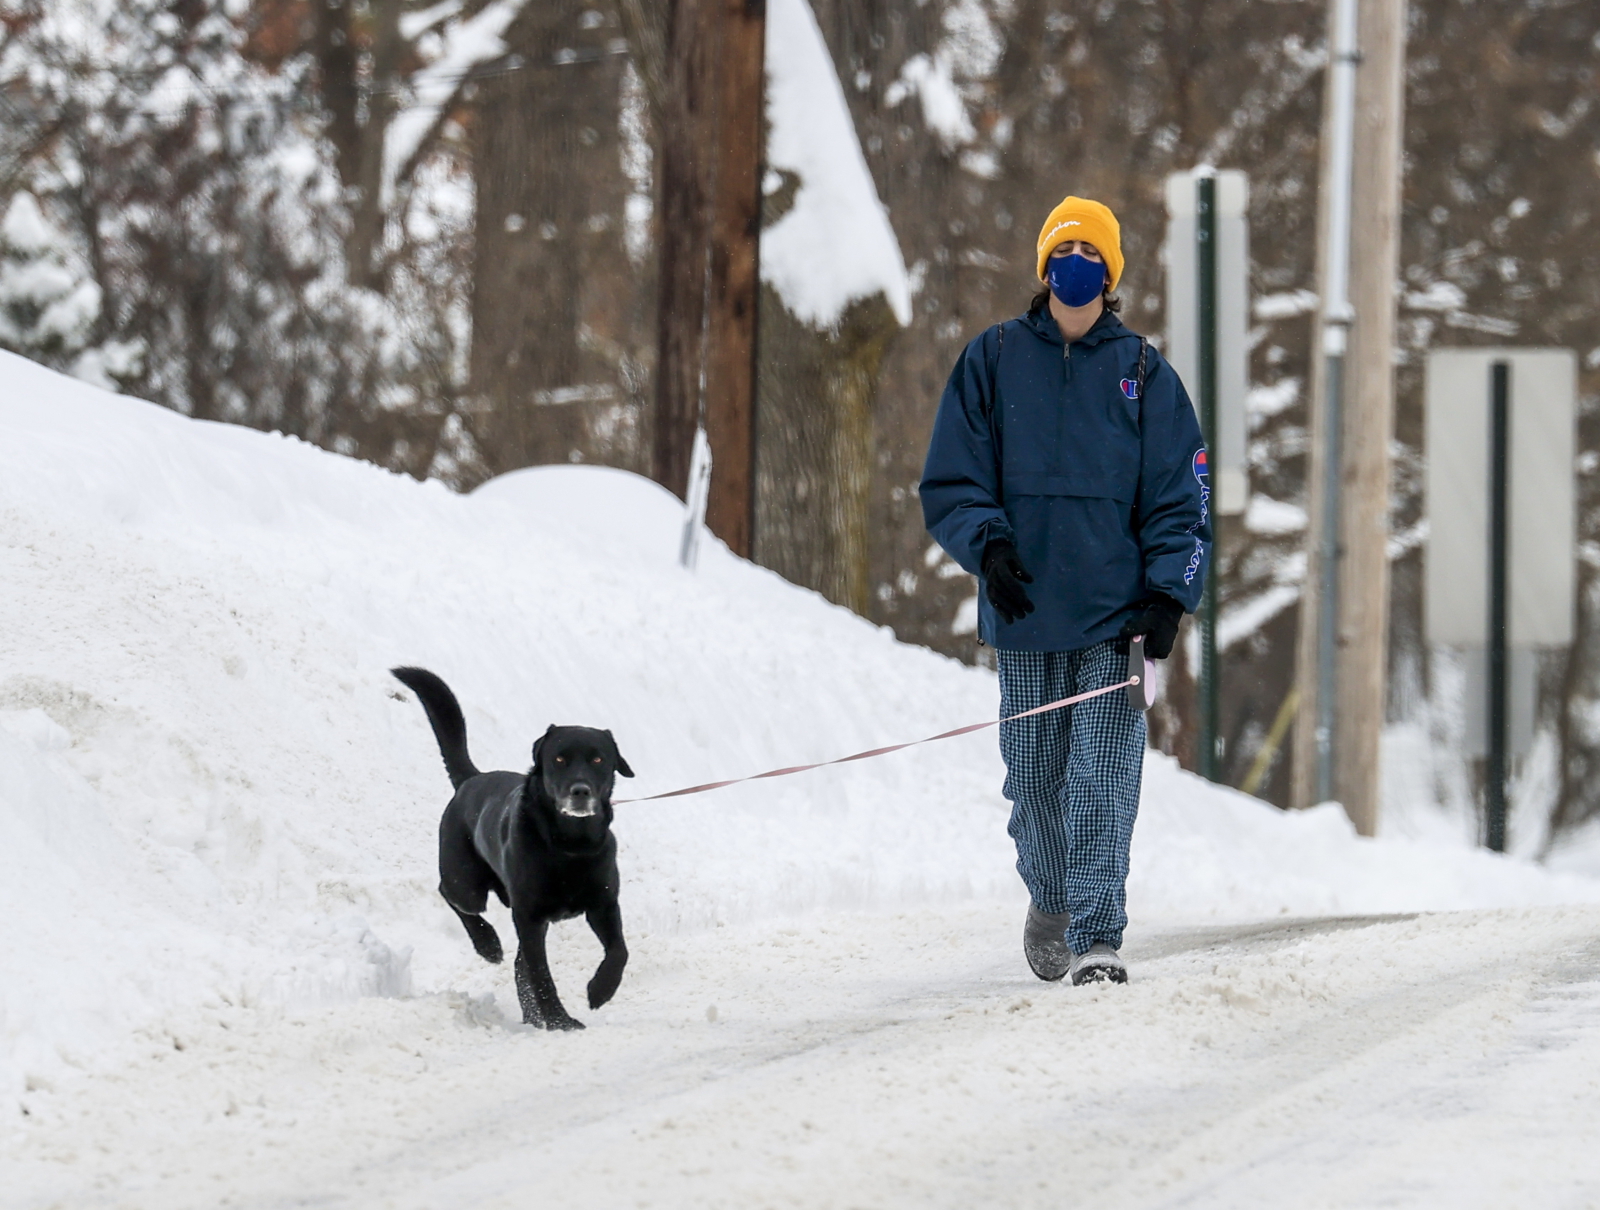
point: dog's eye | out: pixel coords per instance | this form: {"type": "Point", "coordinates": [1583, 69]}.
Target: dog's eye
{"type": "Point", "coordinates": [594, 760]}
{"type": "Point", "coordinates": [561, 760]}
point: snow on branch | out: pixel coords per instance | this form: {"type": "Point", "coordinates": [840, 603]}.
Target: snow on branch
{"type": "Point", "coordinates": [836, 244]}
{"type": "Point", "coordinates": [466, 46]}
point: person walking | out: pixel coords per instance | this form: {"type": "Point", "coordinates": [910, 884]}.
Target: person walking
{"type": "Point", "coordinates": [1067, 471]}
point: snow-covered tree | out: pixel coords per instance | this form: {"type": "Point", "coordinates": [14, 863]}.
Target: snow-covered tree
{"type": "Point", "coordinates": [246, 216]}
{"type": "Point", "coordinates": [48, 305]}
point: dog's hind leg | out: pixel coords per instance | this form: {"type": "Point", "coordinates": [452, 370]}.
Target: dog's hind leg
{"type": "Point", "coordinates": [484, 939]}
{"type": "Point", "coordinates": [536, 987]}
{"type": "Point", "coordinates": [465, 881]}
{"type": "Point", "coordinates": [606, 921]}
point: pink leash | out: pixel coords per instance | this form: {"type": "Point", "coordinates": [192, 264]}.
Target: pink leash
{"type": "Point", "coordinates": [717, 785]}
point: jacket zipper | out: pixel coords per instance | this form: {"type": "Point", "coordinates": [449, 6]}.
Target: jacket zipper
{"type": "Point", "coordinates": [1061, 414]}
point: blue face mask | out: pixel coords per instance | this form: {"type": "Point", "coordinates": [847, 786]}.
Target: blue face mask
{"type": "Point", "coordinates": [1076, 280]}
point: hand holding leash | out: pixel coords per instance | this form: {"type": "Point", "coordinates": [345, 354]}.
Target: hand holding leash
{"type": "Point", "coordinates": [1157, 619]}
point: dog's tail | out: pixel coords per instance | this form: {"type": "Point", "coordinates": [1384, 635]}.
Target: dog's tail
{"type": "Point", "coordinates": [444, 712]}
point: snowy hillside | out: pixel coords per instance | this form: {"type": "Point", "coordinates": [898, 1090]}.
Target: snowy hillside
{"type": "Point", "coordinates": [213, 795]}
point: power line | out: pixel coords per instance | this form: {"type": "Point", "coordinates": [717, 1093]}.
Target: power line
{"type": "Point", "coordinates": [510, 66]}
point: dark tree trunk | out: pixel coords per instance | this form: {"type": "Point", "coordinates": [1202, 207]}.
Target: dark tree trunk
{"type": "Point", "coordinates": [359, 109]}
{"type": "Point", "coordinates": [555, 303]}
{"type": "Point", "coordinates": [367, 219]}
{"type": "Point", "coordinates": [814, 462]}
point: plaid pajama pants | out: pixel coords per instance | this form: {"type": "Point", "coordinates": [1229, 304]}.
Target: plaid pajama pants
{"type": "Point", "coordinates": [1072, 776]}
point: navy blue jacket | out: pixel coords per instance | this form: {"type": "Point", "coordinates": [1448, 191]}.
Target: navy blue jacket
{"type": "Point", "coordinates": [1105, 494]}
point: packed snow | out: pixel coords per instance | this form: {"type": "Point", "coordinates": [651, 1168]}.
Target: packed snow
{"type": "Point", "coordinates": [226, 977]}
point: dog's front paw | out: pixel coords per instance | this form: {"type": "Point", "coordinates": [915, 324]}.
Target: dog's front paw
{"type": "Point", "coordinates": [564, 1023]}
{"type": "Point", "coordinates": [606, 980]}
{"type": "Point", "coordinates": [601, 990]}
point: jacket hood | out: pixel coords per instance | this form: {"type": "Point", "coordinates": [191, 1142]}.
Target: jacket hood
{"type": "Point", "coordinates": [1043, 325]}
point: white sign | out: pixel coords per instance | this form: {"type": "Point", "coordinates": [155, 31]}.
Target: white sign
{"type": "Point", "coordinates": [694, 508]}
{"type": "Point", "coordinates": [1541, 500]}
{"type": "Point", "coordinates": [1230, 474]}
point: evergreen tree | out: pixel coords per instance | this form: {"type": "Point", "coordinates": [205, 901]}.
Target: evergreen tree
{"type": "Point", "coordinates": [50, 304]}
{"type": "Point", "coordinates": [48, 307]}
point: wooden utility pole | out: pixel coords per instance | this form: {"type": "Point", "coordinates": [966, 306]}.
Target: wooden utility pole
{"type": "Point", "coordinates": [709, 230]}
{"type": "Point", "coordinates": [735, 276]}
{"type": "Point", "coordinates": [1369, 418]}
{"type": "Point", "coordinates": [1354, 459]}
{"type": "Point", "coordinates": [683, 227]}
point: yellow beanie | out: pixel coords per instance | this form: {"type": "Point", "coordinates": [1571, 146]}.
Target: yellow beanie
{"type": "Point", "coordinates": [1079, 218]}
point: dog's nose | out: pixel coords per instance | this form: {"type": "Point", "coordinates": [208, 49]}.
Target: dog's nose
{"type": "Point", "coordinates": [581, 789]}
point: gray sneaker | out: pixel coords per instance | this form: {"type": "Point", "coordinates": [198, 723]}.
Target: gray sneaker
{"type": "Point", "coordinates": [1044, 941]}
{"type": "Point", "coordinates": [1099, 964]}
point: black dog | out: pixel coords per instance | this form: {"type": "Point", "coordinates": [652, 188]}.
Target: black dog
{"type": "Point", "coordinates": [541, 841]}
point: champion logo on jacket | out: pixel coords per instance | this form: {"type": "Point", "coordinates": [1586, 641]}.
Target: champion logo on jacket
{"type": "Point", "coordinates": [1201, 465]}
{"type": "Point", "coordinates": [1202, 473]}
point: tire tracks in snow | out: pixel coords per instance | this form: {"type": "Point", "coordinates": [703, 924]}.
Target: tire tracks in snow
{"type": "Point", "coordinates": [872, 1061]}
{"type": "Point", "coordinates": [1335, 1109]}
{"type": "Point", "coordinates": [895, 1026]}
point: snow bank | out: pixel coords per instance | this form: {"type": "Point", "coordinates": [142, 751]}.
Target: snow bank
{"type": "Point", "coordinates": [106, 928]}
{"type": "Point", "coordinates": [212, 791]}
{"type": "Point", "coordinates": [1208, 851]}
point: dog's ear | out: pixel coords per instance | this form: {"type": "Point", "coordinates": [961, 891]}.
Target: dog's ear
{"type": "Point", "coordinates": [538, 744]}
{"type": "Point", "coordinates": [622, 764]}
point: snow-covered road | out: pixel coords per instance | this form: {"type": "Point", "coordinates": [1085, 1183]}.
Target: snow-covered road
{"type": "Point", "coordinates": [890, 1060]}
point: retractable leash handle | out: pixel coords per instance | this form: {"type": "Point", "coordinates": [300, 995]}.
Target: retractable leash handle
{"type": "Point", "coordinates": [1141, 676]}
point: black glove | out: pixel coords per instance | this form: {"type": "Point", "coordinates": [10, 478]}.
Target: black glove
{"type": "Point", "coordinates": [1003, 578]}
{"type": "Point", "coordinates": [1158, 619]}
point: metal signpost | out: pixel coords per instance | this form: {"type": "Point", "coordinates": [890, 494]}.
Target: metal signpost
{"type": "Point", "coordinates": [1502, 509]}
{"type": "Point", "coordinates": [1230, 189]}
{"type": "Point", "coordinates": [1205, 244]}
{"type": "Point", "coordinates": [1499, 483]}
{"type": "Point", "coordinates": [1208, 285]}
{"type": "Point", "coordinates": [1337, 317]}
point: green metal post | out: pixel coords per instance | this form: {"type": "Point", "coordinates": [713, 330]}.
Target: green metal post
{"type": "Point", "coordinates": [1206, 240]}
